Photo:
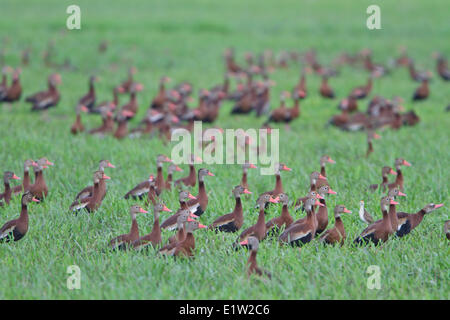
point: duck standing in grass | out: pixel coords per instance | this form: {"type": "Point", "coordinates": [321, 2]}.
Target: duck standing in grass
{"type": "Point", "coordinates": [407, 222]}
{"type": "Point", "coordinates": [16, 229]}
{"type": "Point", "coordinates": [122, 241]}
{"type": "Point", "coordinates": [336, 234]}
{"type": "Point", "coordinates": [252, 266]}
{"type": "Point", "coordinates": [7, 193]}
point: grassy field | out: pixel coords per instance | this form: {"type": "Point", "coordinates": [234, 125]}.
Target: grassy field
{"type": "Point", "coordinates": [185, 40]}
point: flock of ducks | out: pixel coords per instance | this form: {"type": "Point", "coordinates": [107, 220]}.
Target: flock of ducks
{"type": "Point", "coordinates": [183, 222]}
{"type": "Point", "coordinates": [169, 110]}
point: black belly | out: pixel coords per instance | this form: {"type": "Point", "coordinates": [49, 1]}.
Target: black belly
{"type": "Point", "coordinates": [301, 241]}
{"type": "Point", "coordinates": [229, 227]}
{"type": "Point", "coordinates": [404, 229]}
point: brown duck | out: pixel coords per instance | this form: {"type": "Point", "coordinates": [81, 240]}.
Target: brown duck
{"type": "Point", "coordinates": [16, 229]}
{"type": "Point", "coordinates": [252, 267]}
{"type": "Point", "coordinates": [39, 189]}
{"type": "Point", "coordinates": [337, 233]}
{"type": "Point", "coordinates": [233, 221]}
{"type": "Point", "coordinates": [26, 177]}
{"type": "Point", "coordinates": [89, 190]}
{"type": "Point", "coordinates": [7, 193]}
{"type": "Point", "coordinates": [121, 242]}
{"type": "Point", "coordinates": [199, 204]}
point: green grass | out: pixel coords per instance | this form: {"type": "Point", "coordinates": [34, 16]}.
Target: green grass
{"type": "Point", "coordinates": [185, 40]}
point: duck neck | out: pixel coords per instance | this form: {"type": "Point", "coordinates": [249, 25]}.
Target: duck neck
{"type": "Point", "coordinates": [393, 217]}
{"type": "Point", "coordinates": [252, 258]}
{"type": "Point", "coordinates": [322, 170]}
{"type": "Point", "coordinates": [261, 217]}
{"type": "Point", "coordinates": [238, 212]}
{"type": "Point", "coordinates": [26, 178]}
{"type": "Point", "coordinates": [278, 184]}
{"type": "Point", "coordinates": [24, 213]}
{"type": "Point", "coordinates": [134, 231]}
{"type": "Point", "coordinates": [339, 225]}
{"type": "Point", "coordinates": [244, 179]}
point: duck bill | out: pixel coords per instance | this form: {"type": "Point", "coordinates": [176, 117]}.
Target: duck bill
{"type": "Point", "coordinates": [210, 174]}
{"type": "Point", "coordinates": [376, 136]}
{"type": "Point", "coordinates": [111, 165]}
{"type": "Point", "coordinates": [347, 211]}
{"type": "Point", "coordinates": [190, 196]}
{"type": "Point", "coordinates": [322, 177]}
{"type": "Point", "coordinates": [317, 203]}
{"type": "Point", "coordinates": [252, 166]}
{"type": "Point", "coordinates": [331, 161]}
{"type": "Point", "coordinates": [243, 243]}
{"type": "Point", "coordinates": [274, 200]}
{"type": "Point", "coordinates": [166, 209]}
{"type": "Point", "coordinates": [318, 196]}
{"type": "Point", "coordinates": [285, 168]}
{"type": "Point", "coordinates": [401, 194]}
{"type": "Point", "coordinates": [177, 168]}
{"type": "Point", "coordinates": [35, 200]}
{"type": "Point", "coordinates": [190, 220]}
{"type": "Point", "coordinates": [393, 172]}
{"type": "Point", "coordinates": [193, 216]}
{"type": "Point", "coordinates": [106, 177]}
{"type": "Point", "coordinates": [247, 191]}
{"type": "Point", "coordinates": [84, 109]}
{"type": "Point", "coordinates": [438, 205]}
{"type": "Point", "coordinates": [49, 163]}
{"type": "Point", "coordinates": [406, 163]}
{"type": "Point", "coordinates": [201, 226]}
{"type": "Point", "coordinates": [393, 202]}
{"type": "Point", "coordinates": [15, 177]}
{"type": "Point", "coordinates": [142, 210]}
{"type": "Point", "coordinates": [331, 191]}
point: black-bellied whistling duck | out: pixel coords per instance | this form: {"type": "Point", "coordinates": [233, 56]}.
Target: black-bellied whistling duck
{"type": "Point", "coordinates": [301, 233]}
{"type": "Point", "coordinates": [39, 189]}
{"type": "Point", "coordinates": [140, 190]}
{"type": "Point", "coordinates": [93, 202]}
{"type": "Point", "coordinates": [300, 202]}
{"type": "Point", "coordinates": [181, 232]}
{"type": "Point", "coordinates": [336, 234]}
{"type": "Point", "coordinates": [126, 85]}
{"type": "Point", "coordinates": [233, 221]}
{"type": "Point", "coordinates": [314, 178]}
{"type": "Point", "coordinates": [154, 237]}
{"type": "Point", "coordinates": [88, 100]}
{"type": "Point", "coordinates": [324, 160]}
{"type": "Point", "coordinates": [399, 162]}
{"type": "Point", "coordinates": [171, 222]}
{"type": "Point", "coordinates": [199, 204]}
{"type": "Point", "coordinates": [245, 168]}
{"type": "Point", "coordinates": [107, 125]}
{"type": "Point", "coordinates": [160, 99]}
{"type": "Point", "coordinates": [325, 90]}
{"type": "Point", "coordinates": [299, 91]}
{"type": "Point", "coordinates": [159, 183]}
{"type": "Point", "coordinates": [262, 99]}
{"type": "Point", "coordinates": [422, 92]}
{"type": "Point", "coordinates": [279, 114]}
{"type": "Point", "coordinates": [408, 221]}
{"type": "Point", "coordinates": [14, 92]}
{"type": "Point", "coordinates": [403, 60]}
{"type": "Point", "coordinates": [4, 83]}
{"type": "Point", "coordinates": [26, 183]}
{"type": "Point", "coordinates": [16, 229]}
{"type": "Point", "coordinates": [380, 230]}
{"type": "Point", "coordinates": [370, 136]}
{"type": "Point", "coordinates": [152, 197]}
{"type": "Point", "coordinates": [416, 75]}
{"type": "Point", "coordinates": [442, 67]}
{"type": "Point", "coordinates": [231, 67]}
{"type": "Point", "coordinates": [274, 225]}
{"type": "Point", "coordinates": [363, 91]}
{"type": "Point", "coordinates": [48, 98]}
{"type": "Point", "coordinates": [122, 124]}
{"type": "Point", "coordinates": [347, 105]}
{"type": "Point", "coordinates": [257, 230]}
{"type": "Point", "coordinates": [278, 184]}
{"type": "Point", "coordinates": [322, 212]}
{"type": "Point", "coordinates": [132, 105]}
{"type": "Point", "coordinates": [364, 215]}
{"type": "Point", "coordinates": [385, 171]}
{"type": "Point", "coordinates": [78, 126]}
{"type": "Point", "coordinates": [170, 170]}
{"type": "Point", "coordinates": [89, 190]}
{"type": "Point", "coordinates": [392, 209]}
{"type": "Point", "coordinates": [447, 229]}
{"type": "Point", "coordinates": [187, 246]}
{"type": "Point", "coordinates": [252, 267]}
{"type": "Point", "coordinates": [7, 193]}
{"type": "Point", "coordinates": [111, 105]}
{"type": "Point", "coordinates": [121, 242]}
